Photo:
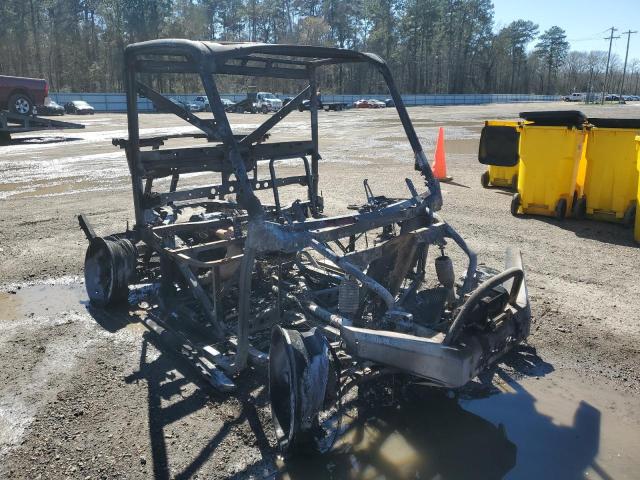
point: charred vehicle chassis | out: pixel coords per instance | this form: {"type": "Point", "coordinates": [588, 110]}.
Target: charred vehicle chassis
{"type": "Point", "coordinates": [323, 301]}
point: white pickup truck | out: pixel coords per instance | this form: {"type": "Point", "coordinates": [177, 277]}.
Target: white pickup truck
{"type": "Point", "coordinates": [267, 102]}
{"type": "Point", "coordinates": [575, 97]}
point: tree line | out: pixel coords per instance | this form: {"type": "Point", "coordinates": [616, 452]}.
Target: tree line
{"type": "Point", "coordinates": [432, 46]}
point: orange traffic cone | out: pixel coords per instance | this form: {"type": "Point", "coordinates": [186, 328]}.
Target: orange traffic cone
{"type": "Point", "coordinates": [440, 165]}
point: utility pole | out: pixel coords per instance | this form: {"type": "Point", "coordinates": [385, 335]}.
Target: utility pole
{"type": "Point", "coordinates": [624, 69]}
{"type": "Point", "coordinates": [606, 71]}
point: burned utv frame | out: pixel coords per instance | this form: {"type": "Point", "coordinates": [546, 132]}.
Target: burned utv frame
{"type": "Point", "coordinates": [238, 276]}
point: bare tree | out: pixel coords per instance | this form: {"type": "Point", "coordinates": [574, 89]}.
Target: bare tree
{"type": "Point", "coordinates": [431, 45]}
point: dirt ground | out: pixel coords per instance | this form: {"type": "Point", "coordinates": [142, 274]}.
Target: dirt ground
{"type": "Point", "coordinates": [88, 394]}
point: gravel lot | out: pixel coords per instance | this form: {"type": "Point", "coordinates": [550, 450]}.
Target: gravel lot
{"type": "Point", "coordinates": [90, 395]}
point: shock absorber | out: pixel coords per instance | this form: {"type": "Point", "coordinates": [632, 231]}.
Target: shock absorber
{"type": "Point", "coordinates": [446, 275]}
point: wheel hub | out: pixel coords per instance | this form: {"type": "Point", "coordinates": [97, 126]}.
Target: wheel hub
{"type": "Point", "coordinates": [22, 106]}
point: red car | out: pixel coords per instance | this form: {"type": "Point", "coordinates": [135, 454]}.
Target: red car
{"type": "Point", "coordinates": [362, 103]}
{"type": "Point", "coordinates": [21, 95]}
{"type": "Point", "coordinates": [371, 103]}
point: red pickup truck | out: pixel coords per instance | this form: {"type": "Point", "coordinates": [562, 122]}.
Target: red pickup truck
{"type": "Point", "coordinates": [21, 95]}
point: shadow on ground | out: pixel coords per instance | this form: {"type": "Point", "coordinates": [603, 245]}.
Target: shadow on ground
{"type": "Point", "coordinates": [487, 432]}
{"type": "Point", "coordinates": [163, 384]}
{"type": "Point", "coordinates": [606, 232]}
{"type": "Point", "coordinates": [601, 231]}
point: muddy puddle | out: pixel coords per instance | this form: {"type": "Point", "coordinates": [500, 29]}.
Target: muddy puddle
{"type": "Point", "coordinates": [41, 299]}
{"type": "Point", "coordinates": [534, 428]}
{"type": "Point", "coordinates": [466, 146]}
{"type": "Point", "coordinates": [64, 296]}
{"type": "Point", "coordinates": [524, 420]}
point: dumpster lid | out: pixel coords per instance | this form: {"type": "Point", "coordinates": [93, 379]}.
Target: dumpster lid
{"type": "Point", "coordinates": [559, 118]}
{"type": "Point", "coordinates": [499, 146]}
{"type": "Point", "coordinates": [632, 123]}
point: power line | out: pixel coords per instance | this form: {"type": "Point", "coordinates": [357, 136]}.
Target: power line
{"type": "Point", "coordinates": [606, 72]}
{"type": "Point", "coordinates": [585, 39]}
{"type": "Point", "coordinates": [626, 56]}
{"type": "Point", "coordinates": [594, 36]}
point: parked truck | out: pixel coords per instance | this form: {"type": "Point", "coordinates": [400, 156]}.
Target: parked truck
{"type": "Point", "coordinates": [264, 102]}
{"type": "Point", "coordinates": [267, 102]}
{"type": "Point", "coordinates": [21, 95]}
{"type": "Point", "coordinates": [326, 106]}
{"type": "Point", "coordinates": [576, 97]}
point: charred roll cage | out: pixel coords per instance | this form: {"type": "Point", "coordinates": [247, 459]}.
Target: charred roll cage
{"type": "Point", "coordinates": [238, 277]}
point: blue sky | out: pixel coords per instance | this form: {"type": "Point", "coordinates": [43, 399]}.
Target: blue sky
{"type": "Point", "coordinates": [584, 21]}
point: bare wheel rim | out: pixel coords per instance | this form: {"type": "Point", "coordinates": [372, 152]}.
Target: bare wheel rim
{"type": "Point", "coordinates": [22, 106]}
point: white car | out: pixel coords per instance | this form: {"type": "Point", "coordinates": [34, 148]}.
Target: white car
{"type": "Point", "coordinates": [375, 103]}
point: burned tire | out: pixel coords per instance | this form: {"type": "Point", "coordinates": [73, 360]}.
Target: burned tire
{"type": "Point", "coordinates": [630, 216]}
{"type": "Point", "coordinates": [298, 375]}
{"type": "Point", "coordinates": [109, 268]}
{"type": "Point", "coordinates": [21, 103]}
{"type": "Point", "coordinates": [515, 204]}
{"type": "Point", "coordinates": [560, 211]}
{"type": "Point", "coordinates": [484, 180]}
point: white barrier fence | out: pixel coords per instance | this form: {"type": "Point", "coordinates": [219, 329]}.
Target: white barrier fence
{"type": "Point", "coordinates": [116, 102]}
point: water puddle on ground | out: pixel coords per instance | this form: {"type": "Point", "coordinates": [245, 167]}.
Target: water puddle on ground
{"type": "Point", "coordinates": [23, 301]}
{"type": "Point", "coordinates": [535, 428]}
{"type": "Point", "coordinates": [464, 146]}
{"type": "Point", "coordinates": [41, 299]}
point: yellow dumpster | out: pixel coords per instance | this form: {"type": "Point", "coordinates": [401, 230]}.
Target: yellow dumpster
{"type": "Point", "coordinates": [636, 232]}
{"type": "Point", "coordinates": [611, 174]}
{"type": "Point", "coordinates": [551, 149]}
{"type": "Point", "coordinates": [499, 145]}
{"type": "Point", "coordinates": [496, 176]}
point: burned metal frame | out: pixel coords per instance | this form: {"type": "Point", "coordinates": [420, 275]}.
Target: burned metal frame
{"type": "Point", "coordinates": [293, 255]}
{"type": "Point", "coordinates": [242, 152]}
